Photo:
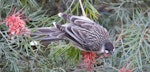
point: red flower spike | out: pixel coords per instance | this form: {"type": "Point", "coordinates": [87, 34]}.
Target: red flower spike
{"type": "Point", "coordinates": [89, 60]}
{"type": "Point", "coordinates": [16, 24]}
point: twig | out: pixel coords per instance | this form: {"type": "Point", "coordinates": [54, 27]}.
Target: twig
{"type": "Point", "coordinates": [9, 45]}
{"type": "Point", "coordinates": [83, 12]}
{"type": "Point", "coordinates": [2, 22]}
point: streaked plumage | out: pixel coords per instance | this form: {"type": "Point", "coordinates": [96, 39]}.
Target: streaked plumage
{"type": "Point", "coordinates": [84, 33]}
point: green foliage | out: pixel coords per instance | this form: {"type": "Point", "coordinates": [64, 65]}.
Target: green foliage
{"type": "Point", "coordinates": [127, 21]}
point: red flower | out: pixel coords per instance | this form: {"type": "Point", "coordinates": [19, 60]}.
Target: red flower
{"type": "Point", "coordinates": [89, 60]}
{"type": "Point", "coordinates": [16, 24]}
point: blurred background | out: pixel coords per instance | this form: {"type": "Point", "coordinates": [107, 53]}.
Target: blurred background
{"type": "Point", "coordinates": [128, 22]}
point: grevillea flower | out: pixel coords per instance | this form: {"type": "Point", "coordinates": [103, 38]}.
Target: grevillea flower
{"type": "Point", "coordinates": [17, 24]}
{"type": "Point", "coordinates": [89, 60]}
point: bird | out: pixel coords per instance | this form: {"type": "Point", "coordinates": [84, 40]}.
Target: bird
{"type": "Point", "coordinates": [82, 32]}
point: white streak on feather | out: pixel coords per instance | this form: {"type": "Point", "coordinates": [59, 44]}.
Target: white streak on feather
{"type": "Point", "coordinates": [33, 43]}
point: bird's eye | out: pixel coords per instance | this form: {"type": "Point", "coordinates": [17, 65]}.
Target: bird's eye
{"type": "Point", "coordinates": [106, 51]}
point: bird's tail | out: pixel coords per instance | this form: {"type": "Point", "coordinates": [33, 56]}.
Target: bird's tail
{"type": "Point", "coordinates": [46, 35]}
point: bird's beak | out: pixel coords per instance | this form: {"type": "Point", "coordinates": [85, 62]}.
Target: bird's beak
{"type": "Point", "coordinates": [111, 52]}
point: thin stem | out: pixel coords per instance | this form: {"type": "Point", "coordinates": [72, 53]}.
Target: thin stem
{"type": "Point", "coordinates": [83, 12]}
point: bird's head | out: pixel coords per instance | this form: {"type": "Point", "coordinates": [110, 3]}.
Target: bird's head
{"type": "Point", "coordinates": [108, 49]}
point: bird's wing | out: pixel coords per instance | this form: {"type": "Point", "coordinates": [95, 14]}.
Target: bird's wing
{"type": "Point", "coordinates": [85, 32]}
{"type": "Point", "coordinates": [81, 21]}
{"type": "Point", "coordinates": [90, 39]}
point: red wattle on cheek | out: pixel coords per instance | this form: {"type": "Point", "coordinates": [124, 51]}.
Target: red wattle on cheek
{"type": "Point", "coordinates": [107, 55]}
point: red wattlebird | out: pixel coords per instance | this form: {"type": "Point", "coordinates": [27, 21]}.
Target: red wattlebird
{"type": "Point", "coordinates": [82, 32]}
